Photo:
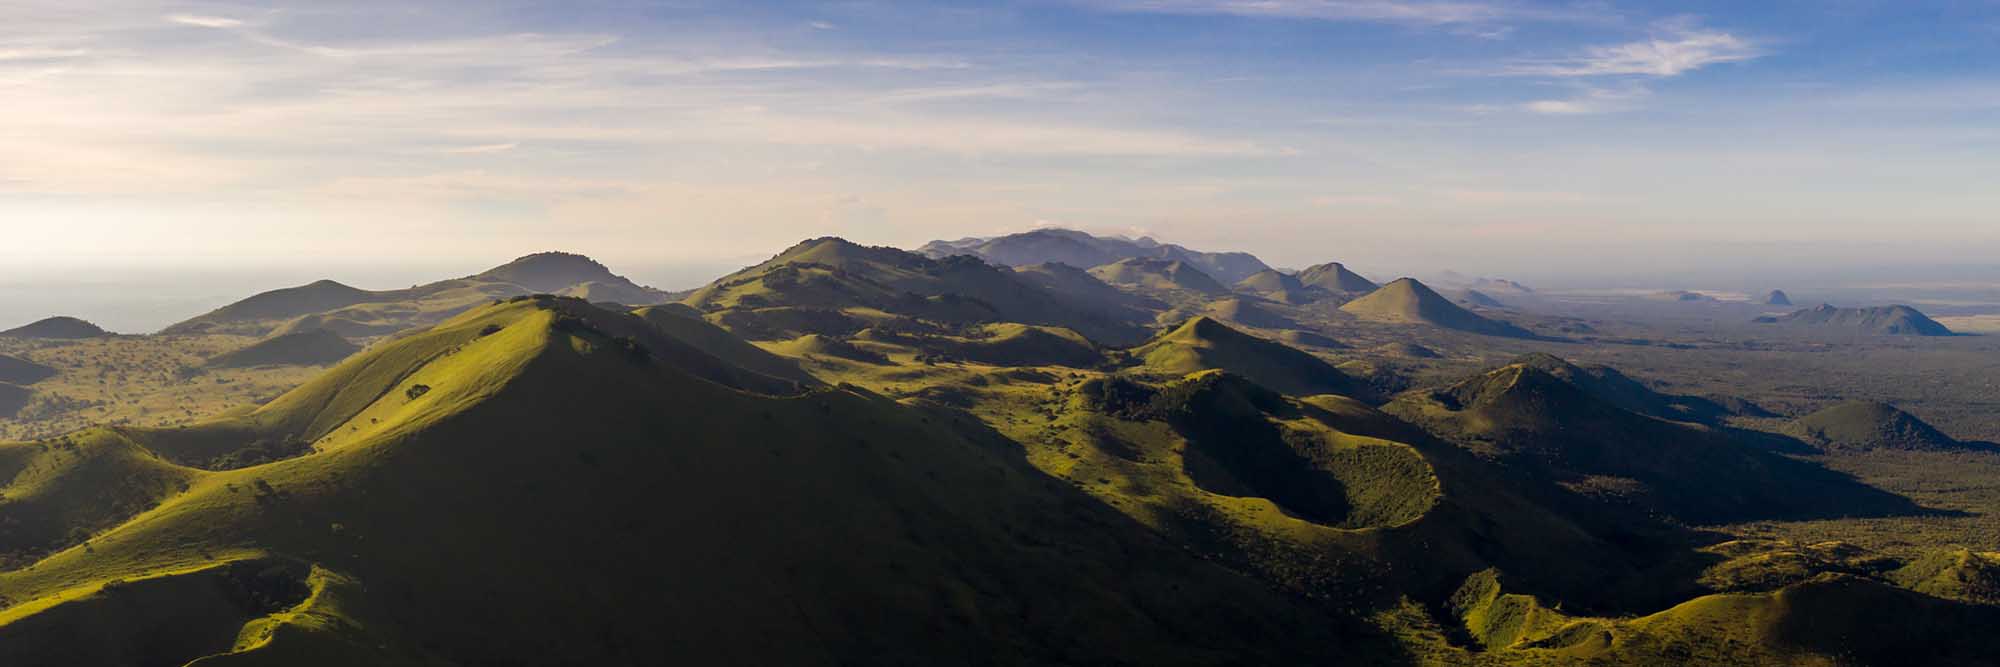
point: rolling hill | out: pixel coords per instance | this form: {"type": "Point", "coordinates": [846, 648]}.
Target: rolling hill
{"type": "Point", "coordinates": [1085, 250]}
{"type": "Point", "coordinates": [1159, 277]}
{"type": "Point", "coordinates": [1881, 320]}
{"type": "Point", "coordinates": [605, 506]}
{"type": "Point", "coordinates": [1334, 277]}
{"type": "Point", "coordinates": [828, 285]}
{"type": "Point", "coordinates": [1869, 426]}
{"type": "Point", "coordinates": [59, 327]}
{"type": "Point", "coordinates": [1554, 429]}
{"type": "Point", "coordinates": [1407, 301]}
{"type": "Point", "coordinates": [317, 347]}
{"type": "Point", "coordinates": [1203, 344]}
{"type": "Point", "coordinates": [351, 311]}
{"type": "Point", "coordinates": [1276, 286]}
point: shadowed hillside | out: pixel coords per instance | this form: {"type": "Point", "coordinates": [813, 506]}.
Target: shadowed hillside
{"type": "Point", "coordinates": [1866, 426]}
{"type": "Point", "coordinates": [1536, 420]}
{"type": "Point", "coordinates": [60, 328]}
{"type": "Point", "coordinates": [15, 370]}
{"type": "Point", "coordinates": [310, 348]}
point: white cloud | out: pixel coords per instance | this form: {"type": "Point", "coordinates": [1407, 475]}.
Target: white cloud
{"type": "Point", "coordinates": [1678, 50]}
{"type": "Point", "coordinates": [205, 21]}
{"type": "Point", "coordinates": [1591, 101]}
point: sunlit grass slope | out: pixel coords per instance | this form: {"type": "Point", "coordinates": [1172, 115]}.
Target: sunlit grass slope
{"type": "Point", "coordinates": [558, 495]}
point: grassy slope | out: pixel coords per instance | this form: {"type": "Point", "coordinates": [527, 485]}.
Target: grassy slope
{"type": "Point", "coordinates": [1203, 343]}
{"type": "Point", "coordinates": [728, 531]}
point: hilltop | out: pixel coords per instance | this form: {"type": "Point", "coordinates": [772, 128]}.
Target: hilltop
{"type": "Point", "coordinates": [1407, 301]}
{"type": "Point", "coordinates": [1276, 286]}
{"type": "Point", "coordinates": [1334, 277]}
{"type": "Point", "coordinates": [833, 286]}
{"type": "Point", "coordinates": [1203, 343]}
{"type": "Point", "coordinates": [59, 327]}
{"type": "Point", "coordinates": [1777, 297]}
{"type": "Point", "coordinates": [1881, 320]}
{"type": "Point", "coordinates": [1084, 250]}
{"type": "Point", "coordinates": [1160, 276]}
{"type": "Point", "coordinates": [1868, 426]}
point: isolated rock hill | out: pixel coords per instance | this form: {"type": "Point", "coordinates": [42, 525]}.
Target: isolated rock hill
{"type": "Point", "coordinates": [1407, 301]}
{"type": "Point", "coordinates": [59, 327]}
{"type": "Point", "coordinates": [1777, 297]}
{"type": "Point", "coordinates": [1334, 277]}
{"type": "Point", "coordinates": [1868, 426]}
{"type": "Point", "coordinates": [1081, 249]}
{"type": "Point", "coordinates": [1881, 320]}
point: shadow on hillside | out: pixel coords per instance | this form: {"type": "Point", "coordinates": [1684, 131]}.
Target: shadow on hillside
{"type": "Point", "coordinates": [1347, 634]}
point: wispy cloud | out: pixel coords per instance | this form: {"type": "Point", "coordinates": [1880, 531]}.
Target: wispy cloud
{"type": "Point", "coordinates": [1420, 12]}
{"type": "Point", "coordinates": [1679, 48]}
{"type": "Point", "coordinates": [204, 21]}
{"type": "Point", "coordinates": [1591, 101]}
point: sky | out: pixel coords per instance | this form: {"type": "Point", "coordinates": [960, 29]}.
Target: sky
{"type": "Point", "coordinates": [1486, 136]}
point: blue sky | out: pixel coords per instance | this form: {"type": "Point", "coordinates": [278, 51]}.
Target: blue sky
{"type": "Point", "coordinates": [1511, 137]}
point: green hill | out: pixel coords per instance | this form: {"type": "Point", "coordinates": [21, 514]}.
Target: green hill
{"type": "Point", "coordinates": [1159, 276]}
{"type": "Point", "coordinates": [1334, 277]}
{"type": "Point", "coordinates": [1882, 320]}
{"type": "Point", "coordinates": [1085, 250]}
{"type": "Point", "coordinates": [1276, 286]}
{"type": "Point", "coordinates": [59, 327]}
{"type": "Point", "coordinates": [15, 370]}
{"type": "Point", "coordinates": [1203, 344]}
{"type": "Point", "coordinates": [1868, 426]}
{"type": "Point", "coordinates": [1407, 301]}
{"type": "Point", "coordinates": [309, 348]}
{"type": "Point", "coordinates": [355, 312]}
{"type": "Point", "coordinates": [1556, 430]}
{"type": "Point", "coordinates": [835, 276]}
{"type": "Point", "coordinates": [557, 496]}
